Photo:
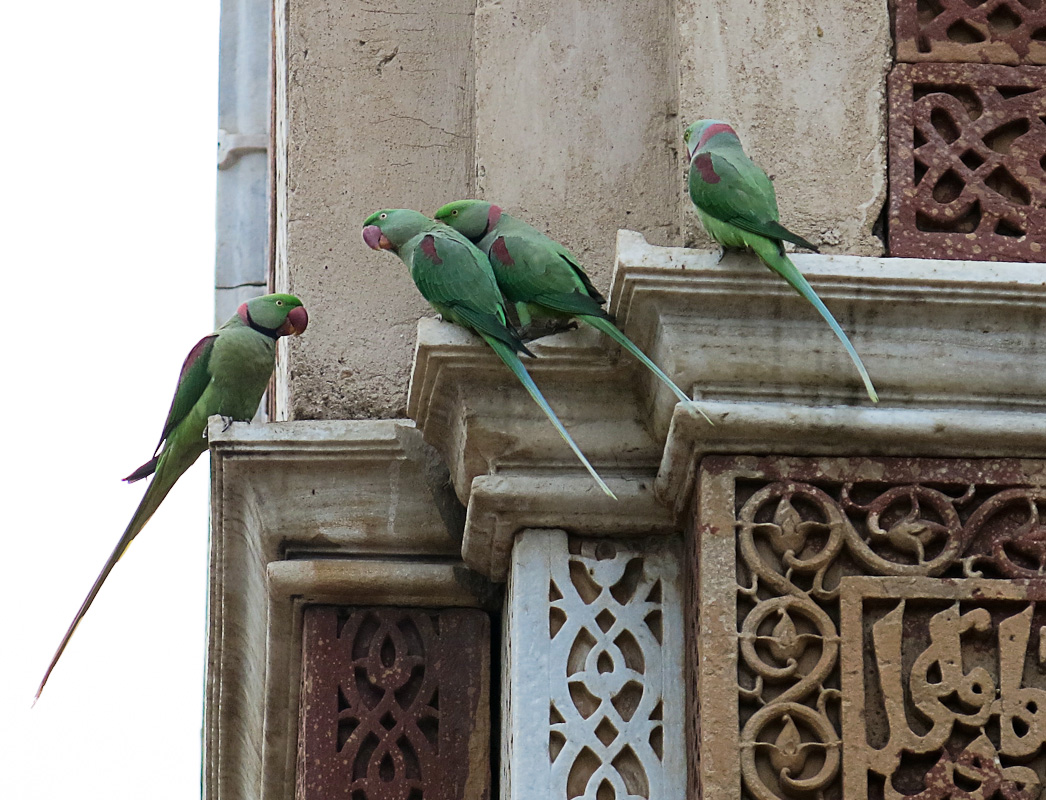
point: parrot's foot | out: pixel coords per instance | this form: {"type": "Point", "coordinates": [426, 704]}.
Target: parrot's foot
{"type": "Point", "coordinates": [546, 327]}
{"type": "Point", "coordinates": [228, 423]}
{"type": "Point", "coordinates": [722, 254]}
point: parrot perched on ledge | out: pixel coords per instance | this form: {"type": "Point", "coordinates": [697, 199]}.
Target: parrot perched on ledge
{"type": "Point", "coordinates": [226, 374]}
{"type": "Point", "coordinates": [736, 203]}
{"type": "Point", "coordinates": [539, 275]}
{"type": "Point", "coordinates": [457, 280]}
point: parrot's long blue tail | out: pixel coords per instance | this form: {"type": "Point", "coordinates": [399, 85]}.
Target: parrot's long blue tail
{"type": "Point", "coordinates": [611, 330]}
{"type": "Point", "coordinates": [784, 267]}
{"type": "Point", "coordinates": [512, 361]}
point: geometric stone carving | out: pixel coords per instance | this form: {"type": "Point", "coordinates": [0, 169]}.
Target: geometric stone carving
{"type": "Point", "coordinates": [966, 176]}
{"type": "Point", "coordinates": [593, 654]}
{"type": "Point", "coordinates": [968, 655]}
{"type": "Point", "coordinates": [780, 544]}
{"type": "Point", "coordinates": [996, 31]}
{"type": "Point", "coordinates": [395, 703]}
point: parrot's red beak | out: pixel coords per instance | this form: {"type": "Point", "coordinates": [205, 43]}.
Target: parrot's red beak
{"type": "Point", "coordinates": [297, 321]}
{"type": "Point", "coordinates": [375, 239]}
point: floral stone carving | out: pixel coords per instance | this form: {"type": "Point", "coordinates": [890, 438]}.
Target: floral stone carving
{"type": "Point", "coordinates": [854, 626]}
{"type": "Point", "coordinates": [593, 659]}
{"type": "Point", "coordinates": [394, 704]}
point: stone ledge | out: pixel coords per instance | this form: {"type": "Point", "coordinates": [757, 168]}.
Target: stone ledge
{"type": "Point", "coordinates": [338, 512]}
{"type": "Point", "coordinates": [500, 507]}
{"type": "Point", "coordinates": [788, 429]}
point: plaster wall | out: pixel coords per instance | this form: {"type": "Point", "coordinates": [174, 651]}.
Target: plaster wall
{"type": "Point", "coordinates": [568, 113]}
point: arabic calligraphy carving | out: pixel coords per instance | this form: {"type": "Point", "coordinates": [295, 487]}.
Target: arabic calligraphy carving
{"type": "Point", "coordinates": [963, 701]}
{"type": "Point", "coordinates": [969, 691]}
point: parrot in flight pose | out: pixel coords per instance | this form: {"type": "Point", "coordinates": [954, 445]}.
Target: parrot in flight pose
{"type": "Point", "coordinates": [736, 203]}
{"type": "Point", "coordinates": [225, 374]}
{"type": "Point", "coordinates": [457, 280]}
{"type": "Point", "coordinates": [540, 276]}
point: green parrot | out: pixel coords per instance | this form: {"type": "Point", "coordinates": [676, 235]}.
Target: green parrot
{"type": "Point", "coordinates": [226, 374]}
{"type": "Point", "coordinates": [540, 276]}
{"type": "Point", "coordinates": [457, 280]}
{"type": "Point", "coordinates": [736, 203]}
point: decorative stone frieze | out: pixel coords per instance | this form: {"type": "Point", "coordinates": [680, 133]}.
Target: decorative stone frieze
{"type": "Point", "coordinates": [966, 178]}
{"type": "Point", "coordinates": [841, 604]}
{"type": "Point", "coordinates": [991, 31]}
{"type": "Point", "coordinates": [395, 703]}
{"type": "Point", "coordinates": [306, 513]}
{"type": "Point", "coordinates": [593, 654]}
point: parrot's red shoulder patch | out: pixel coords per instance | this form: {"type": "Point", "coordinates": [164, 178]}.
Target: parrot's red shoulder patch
{"type": "Point", "coordinates": [500, 251]}
{"type": "Point", "coordinates": [493, 216]}
{"type": "Point", "coordinates": [428, 247]}
{"type": "Point", "coordinates": [703, 164]}
{"type": "Point", "coordinates": [712, 130]}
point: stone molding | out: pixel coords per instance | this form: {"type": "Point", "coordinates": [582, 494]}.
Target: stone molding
{"type": "Point", "coordinates": [338, 512]}
{"type": "Point", "coordinates": [951, 346]}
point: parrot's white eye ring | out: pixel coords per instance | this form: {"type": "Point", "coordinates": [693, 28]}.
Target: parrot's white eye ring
{"type": "Point", "coordinates": [279, 302]}
{"type": "Point", "coordinates": [454, 212]}
{"type": "Point", "coordinates": [382, 216]}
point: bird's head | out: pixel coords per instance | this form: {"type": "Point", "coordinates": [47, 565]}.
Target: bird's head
{"type": "Point", "coordinates": [275, 315]}
{"type": "Point", "coordinates": [391, 228]}
{"type": "Point", "coordinates": [699, 133]}
{"type": "Point", "coordinates": [471, 218]}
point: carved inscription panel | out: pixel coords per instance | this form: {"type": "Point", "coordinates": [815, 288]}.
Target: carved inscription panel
{"type": "Point", "coordinates": [394, 704]}
{"type": "Point", "coordinates": [811, 574]}
{"type": "Point", "coordinates": [944, 688]}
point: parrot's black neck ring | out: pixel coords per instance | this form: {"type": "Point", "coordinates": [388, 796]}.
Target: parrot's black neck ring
{"type": "Point", "coordinates": [272, 333]}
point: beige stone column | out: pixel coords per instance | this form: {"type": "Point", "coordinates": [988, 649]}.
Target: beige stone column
{"type": "Point", "coordinates": [373, 110]}
{"type": "Point", "coordinates": [576, 126]}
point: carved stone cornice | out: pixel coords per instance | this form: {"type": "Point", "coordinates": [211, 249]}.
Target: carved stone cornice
{"type": "Point", "coordinates": [337, 512]}
{"type": "Point", "coordinates": [953, 347]}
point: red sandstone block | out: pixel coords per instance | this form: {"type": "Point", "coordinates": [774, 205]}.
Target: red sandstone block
{"type": "Point", "coordinates": [988, 31]}
{"type": "Point", "coordinates": [967, 158]}
{"type": "Point", "coordinates": [394, 704]}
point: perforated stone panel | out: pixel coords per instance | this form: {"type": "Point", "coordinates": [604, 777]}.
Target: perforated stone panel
{"type": "Point", "coordinates": [394, 704]}
{"type": "Point", "coordinates": [593, 670]}
{"type": "Point", "coordinates": [967, 153]}
{"type": "Point", "coordinates": [989, 31]}
{"type": "Point", "coordinates": [889, 612]}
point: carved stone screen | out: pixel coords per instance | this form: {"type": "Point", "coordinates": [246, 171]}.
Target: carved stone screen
{"type": "Point", "coordinates": [869, 628]}
{"type": "Point", "coordinates": [593, 670]}
{"type": "Point", "coordinates": [394, 704]}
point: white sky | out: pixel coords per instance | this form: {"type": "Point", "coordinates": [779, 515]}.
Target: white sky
{"type": "Point", "coordinates": [108, 138]}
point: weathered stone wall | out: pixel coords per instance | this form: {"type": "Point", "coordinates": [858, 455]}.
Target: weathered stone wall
{"type": "Point", "coordinates": [569, 113]}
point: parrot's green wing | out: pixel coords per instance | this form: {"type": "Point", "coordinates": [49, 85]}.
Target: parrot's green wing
{"type": "Point", "coordinates": [450, 275]}
{"type": "Point", "coordinates": [192, 380]}
{"type": "Point", "coordinates": [537, 270]}
{"type": "Point", "coordinates": [194, 377]}
{"type": "Point", "coordinates": [733, 189]}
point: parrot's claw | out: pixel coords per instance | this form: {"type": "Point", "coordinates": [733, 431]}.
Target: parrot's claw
{"type": "Point", "coordinates": [722, 254]}
{"type": "Point", "coordinates": [228, 423]}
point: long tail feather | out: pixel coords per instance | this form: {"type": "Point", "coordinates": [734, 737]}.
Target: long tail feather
{"type": "Point", "coordinates": [611, 330]}
{"type": "Point", "coordinates": [784, 267]}
{"type": "Point", "coordinates": [513, 363]}
{"type": "Point", "coordinates": [165, 478]}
